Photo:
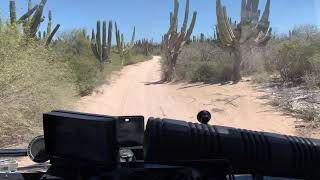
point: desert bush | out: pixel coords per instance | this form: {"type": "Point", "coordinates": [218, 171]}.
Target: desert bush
{"type": "Point", "coordinates": [262, 77]}
{"type": "Point", "coordinates": [74, 49]}
{"type": "Point", "coordinates": [203, 62]}
{"type": "Point", "coordinates": [292, 60]}
{"type": "Point", "coordinates": [32, 81]}
{"type": "Point", "coordinates": [212, 72]}
{"type": "Point", "coordinates": [312, 78]}
{"type": "Point", "coordinates": [270, 56]}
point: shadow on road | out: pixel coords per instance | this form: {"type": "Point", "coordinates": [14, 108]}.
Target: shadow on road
{"type": "Point", "coordinates": [155, 82]}
{"type": "Point", "coordinates": [205, 84]}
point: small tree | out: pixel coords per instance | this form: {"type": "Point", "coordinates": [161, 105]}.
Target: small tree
{"type": "Point", "coordinates": [250, 31]}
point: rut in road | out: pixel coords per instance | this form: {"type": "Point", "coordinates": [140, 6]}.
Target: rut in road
{"type": "Point", "coordinates": [137, 90]}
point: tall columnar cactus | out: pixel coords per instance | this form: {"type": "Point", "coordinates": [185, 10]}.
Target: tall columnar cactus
{"type": "Point", "coordinates": [104, 40]}
{"type": "Point", "coordinates": [32, 20]}
{"type": "Point", "coordinates": [118, 40]}
{"type": "Point", "coordinates": [173, 41]}
{"type": "Point", "coordinates": [251, 29]}
{"type": "Point", "coordinates": [13, 12]}
{"type": "Point", "coordinates": [49, 22]}
{"type": "Point", "coordinates": [51, 35]}
{"type": "Point", "coordinates": [102, 49]}
{"type": "Point", "coordinates": [202, 37]}
{"type": "Point", "coordinates": [1, 25]}
{"type": "Point", "coordinates": [29, 9]}
{"type": "Point", "coordinates": [109, 38]}
{"type": "Point", "coordinates": [147, 46]}
{"type": "Point", "coordinates": [39, 35]}
{"type": "Point", "coordinates": [37, 19]}
{"type": "Point", "coordinates": [122, 48]}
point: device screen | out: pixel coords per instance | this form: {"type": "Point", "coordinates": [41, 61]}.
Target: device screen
{"type": "Point", "coordinates": [81, 137]}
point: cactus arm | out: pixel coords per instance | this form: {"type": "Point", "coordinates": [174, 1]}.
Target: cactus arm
{"type": "Point", "coordinates": [118, 38]}
{"type": "Point", "coordinates": [28, 14]}
{"type": "Point", "coordinates": [118, 41]}
{"type": "Point", "coordinates": [133, 38]}
{"type": "Point", "coordinates": [104, 34]}
{"type": "Point", "coordinates": [104, 52]}
{"type": "Point", "coordinates": [109, 38]}
{"type": "Point", "coordinates": [98, 40]}
{"type": "Point", "coordinates": [37, 19]}
{"type": "Point", "coordinates": [116, 27]}
{"type": "Point", "coordinates": [13, 12]}
{"type": "Point", "coordinates": [223, 29]}
{"type": "Point", "coordinates": [49, 22]}
{"type": "Point", "coordinates": [93, 37]}
{"type": "Point", "coordinates": [192, 25]}
{"type": "Point", "coordinates": [266, 12]}
{"type": "Point", "coordinates": [29, 5]}
{"type": "Point", "coordinates": [249, 9]}
{"type": "Point", "coordinates": [186, 16]}
{"type": "Point", "coordinates": [264, 22]}
{"type": "Point", "coordinates": [171, 20]}
{"type": "Point", "coordinates": [55, 30]}
{"type": "Point", "coordinates": [256, 12]}
{"type": "Point", "coordinates": [174, 25]}
{"type": "Point", "coordinates": [255, 5]}
{"type": "Point", "coordinates": [228, 25]}
{"type": "Point", "coordinates": [93, 44]}
{"type": "Point", "coordinates": [263, 38]}
{"type": "Point", "coordinates": [243, 11]}
{"type": "Point", "coordinates": [122, 42]}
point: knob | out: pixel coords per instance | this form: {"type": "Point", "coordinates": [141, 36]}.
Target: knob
{"type": "Point", "coordinates": [204, 117]}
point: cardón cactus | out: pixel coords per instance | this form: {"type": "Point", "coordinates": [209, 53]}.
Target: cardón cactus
{"type": "Point", "coordinates": [51, 33]}
{"type": "Point", "coordinates": [102, 50]}
{"type": "Point", "coordinates": [122, 48]}
{"type": "Point", "coordinates": [49, 22]}
{"type": "Point", "coordinates": [13, 12]}
{"type": "Point", "coordinates": [32, 20]}
{"type": "Point", "coordinates": [173, 41]}
{"type": "Point", "coordinates": [251, 29]}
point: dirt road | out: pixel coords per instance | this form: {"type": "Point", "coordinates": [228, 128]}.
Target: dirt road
{"type": "Point", "coordinates": [136, 90]}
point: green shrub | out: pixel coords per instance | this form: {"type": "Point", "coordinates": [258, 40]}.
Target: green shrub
{"type": "Point", "coordinates": [74, 49]}
{"type": "Point", "coordinates": [312, 78]}
{"type": "Point", "coordinates": [128, 59]}
{"type": "Point", "coordinates": [198, 62]}
{"type": "Point", "coordinates": [292, 61]}
{"type": "Point", "coordinates": [212, 73]}
{"type": "Point", "coordinates": [32, 81]}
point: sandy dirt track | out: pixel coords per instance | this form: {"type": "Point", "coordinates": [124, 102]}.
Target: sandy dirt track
{"type": "Point", "coordinates": [137, 90]}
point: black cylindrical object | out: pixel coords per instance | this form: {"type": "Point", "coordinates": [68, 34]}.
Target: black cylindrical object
{"type": "Point", "coordinates": [268, 154]}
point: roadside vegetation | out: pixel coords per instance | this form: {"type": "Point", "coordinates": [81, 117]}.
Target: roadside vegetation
{"type": "Point", "coordinates": [285, 65]}
{"type": "Point", "coordinates": [42, 71]}
{"type": "Point", "coordinates": [45, 70]}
